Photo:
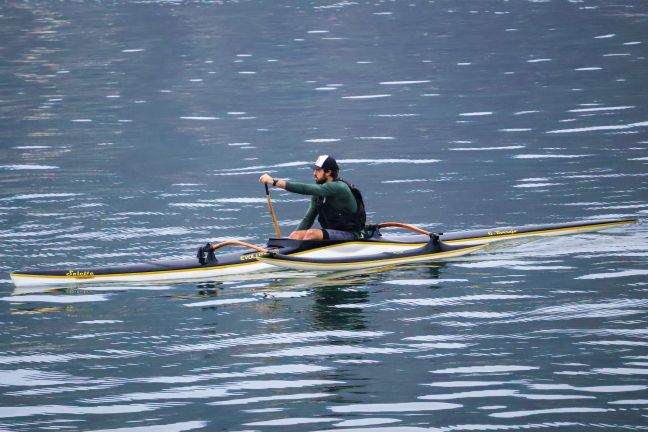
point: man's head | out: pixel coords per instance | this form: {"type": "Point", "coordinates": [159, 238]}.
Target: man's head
{"type": "Point", "coordinates": [325, 168]}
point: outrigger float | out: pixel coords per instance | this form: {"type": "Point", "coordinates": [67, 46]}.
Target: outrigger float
{"type": "Point", "coordinates": [375, 250]}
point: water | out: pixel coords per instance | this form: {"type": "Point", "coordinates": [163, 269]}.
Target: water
{"type": "Point", "coordinates": [137, 131]}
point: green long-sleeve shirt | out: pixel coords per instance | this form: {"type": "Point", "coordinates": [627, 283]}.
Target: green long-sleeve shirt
{"type": "Point", "coordinates": [337, 193]}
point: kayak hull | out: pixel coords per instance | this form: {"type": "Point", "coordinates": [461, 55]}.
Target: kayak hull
{"type": "Point", "coordinates": [247, 261]}
{"type": "Point", "coordinates": [432, 251]}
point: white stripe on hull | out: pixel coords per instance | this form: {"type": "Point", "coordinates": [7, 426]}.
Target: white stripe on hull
{"type": "Point", "coordinates": [329, 267]}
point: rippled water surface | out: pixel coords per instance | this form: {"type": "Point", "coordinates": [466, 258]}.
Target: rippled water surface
{"type": "Point", "coordinates": [136, 131]}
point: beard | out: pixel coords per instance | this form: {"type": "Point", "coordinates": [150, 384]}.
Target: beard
{"type": "Point", "coordinates": [320, 180]}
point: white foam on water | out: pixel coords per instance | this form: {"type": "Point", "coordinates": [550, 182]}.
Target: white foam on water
{"type": "Point", "coordinates": [293, 421]}
{"type": "Point", "coordinates": [275, 339]}
{"type": "Point", "coordinates": [539, 60]}
{"type": "Point", "coordinates": [625, 273]}
{"type": "Point", "coordinates": [296, 396]}
{"type": "Point", "coordinates": [496, 369]}
{"type": "Point", "coordinates": [476, 315]}
{"type": "Point", "coordinates": [632, 43]}
{"type": "Point", "coordinates": [536, 185]}
{"type": "Point", "coordinates": [394, 407]}
{"type": "Point", "coordinates": [266, 167]}
{"type": "Point", "coordinates": [40, 410]}
{"type": "Point", "coordinates": [405, 181]}
{"type": "Point", "coordinates": [172, 427]}
{"type": "Point", "coordinates": [45, 358]}
{"type": "Point", "coordinates": [126, 288]}
{"type": "Point", "coordinates": [410, 282]}
{"type": "Point", "coordinates": [605, 36]}
{"type": "Point", "coordinates": [283, 294]}
{"type": "Point", "coordinates": [454, 384]}
{"type": "Point", "coordinates": [516, 414]}
{"type": "Point", "coordinates": [27, 167]}
{"type": "Point", "coordinates": [100, 322]}
{"type": "Point", "coordinates": [404, 82]}
{"type": "Point", "coordinates": [64, 299]}
{"type": "Point", "coordinates": [622, 371]}
{"type": "Point", "coordinates": [221, 302]}
{"type": "Point", "coordinates": [193, 205]}
{"type": "Point", "coordinates": [352, 361]}
{"type": "Point", "coordinates": [513, 147]}
{"type": "Point", "coordinates": [369, 421]}
{"type": "Point", "coordinates": [241, 200]}
{"type": "Point", "coordinates": [601, 128]}
{"type": "Point", "coordinates": [457, 300]}
{"type": "Point", "coordinates": [593, 68]}
{"type": "Point", "coordinates": [614, 108]}
{"type": "Point", "coordinates": [526, 112]}
{"type": "Point", "coordinates": [200, 118]}
{"type": "Point", "coordinates": [35, 378]}
{"type": "Point", "coordinates": [362, 97]}
{"type": "Point", "coordinates": [374, 138]}
{"type": "Point", "coordinates": [133, 50]}
{"type": "Point", "coordinates": [471, 394]}
{"type": "Point", "coordinates": [35, 147]}
{"type": "Point", "coordinates": [640, 159]}
{"type": "Point", "coordinates": [594, 389]}
{"type": "Point", "coordinates": [630, 402]}
{"type": "Point", "coordinates": [322, 140]}
{"type": "Point", "coordinates": [476, 114]}
{"type": "Point", "coordinates": [549, 156]}
{"type": "Point", "coordinates": [325, 350]}
{"type": "Point", "coordinates": [263, 410]}
{"type": "Point", "coordinates": [202, 392]}
{"type": "Point", "coordinates": [492, 263]}
{"type": "Point", "coordinates": [515, 130]}
{"type": "Point", "coordinates": [396, 115]}
{"type": "Point", "coordinates": [389, 161]}
{"type": "Point", "coordinates": [317, 31]}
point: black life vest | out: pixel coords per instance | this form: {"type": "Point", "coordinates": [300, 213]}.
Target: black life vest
{"type": "Point", "coordinates": [330, 218]}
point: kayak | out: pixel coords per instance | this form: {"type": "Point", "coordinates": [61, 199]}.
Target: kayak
{"type": "Point", "coordinates": [376, 249]}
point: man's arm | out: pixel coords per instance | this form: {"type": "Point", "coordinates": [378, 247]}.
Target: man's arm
{"type": "Point", "coordinates": [311, 214]}
{"type": "Point", "coordinates": [309, 217]}
{"type": "Point", "coordinates": [318, 190]}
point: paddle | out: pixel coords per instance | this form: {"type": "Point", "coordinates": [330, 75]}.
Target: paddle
{"type": "Point", "coordinates": [272, 213]}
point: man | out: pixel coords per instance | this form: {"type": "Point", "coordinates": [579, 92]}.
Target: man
{"type": "Point", "coordinates": [337, 204]}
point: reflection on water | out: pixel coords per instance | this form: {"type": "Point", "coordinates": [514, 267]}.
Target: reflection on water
{"type": "Point", "coordinates": [136, 131]}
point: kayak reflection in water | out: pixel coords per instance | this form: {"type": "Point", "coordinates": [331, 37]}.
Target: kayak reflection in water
{"type": "Point", "coordinates": [336, 203]}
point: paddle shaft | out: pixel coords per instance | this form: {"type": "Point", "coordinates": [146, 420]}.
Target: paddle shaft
{"type": "Point", "coordinates": [272, 213]}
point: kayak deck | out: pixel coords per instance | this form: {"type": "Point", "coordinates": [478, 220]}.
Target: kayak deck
{"type": "Point", "coordinates": [433, 250]}
{"type": "Point", "coordinates": [248, 260]}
